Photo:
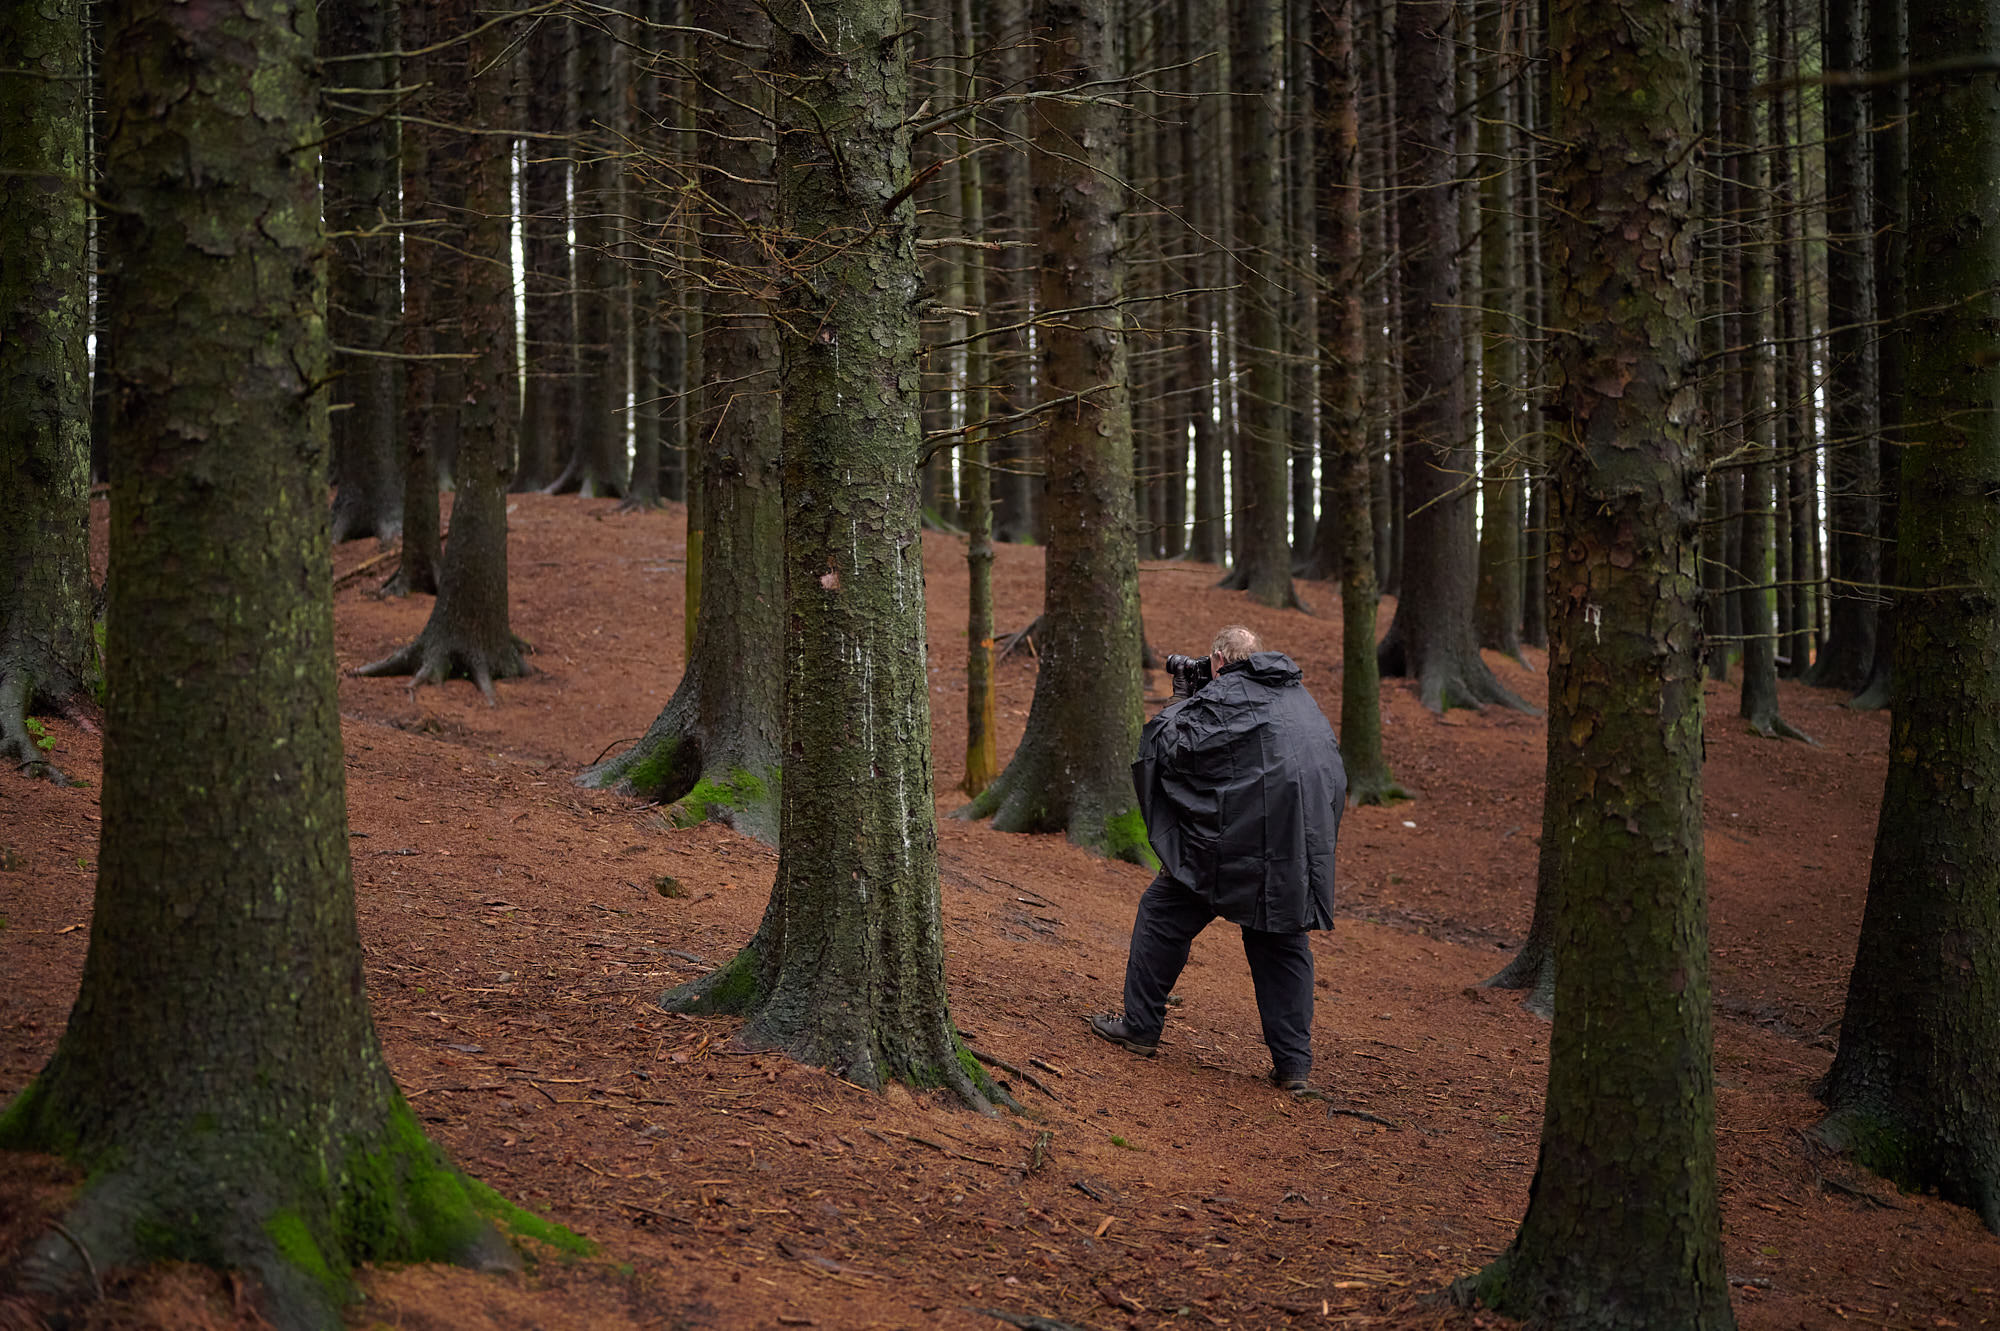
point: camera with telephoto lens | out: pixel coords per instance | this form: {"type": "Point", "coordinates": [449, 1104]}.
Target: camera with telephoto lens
{"type": "Point", "coordinates": [1189, 673]}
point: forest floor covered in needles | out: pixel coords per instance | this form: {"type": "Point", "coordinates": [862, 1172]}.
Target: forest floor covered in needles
{"type": "Point", "coordinates": [518, 930]}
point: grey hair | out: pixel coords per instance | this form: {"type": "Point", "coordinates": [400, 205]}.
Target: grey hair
{"type": "Point", "coordinates": [1235, 643]}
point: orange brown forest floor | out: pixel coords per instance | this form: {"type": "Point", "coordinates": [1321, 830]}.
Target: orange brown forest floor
{"type": "Point", "coordinates": [516, 941]}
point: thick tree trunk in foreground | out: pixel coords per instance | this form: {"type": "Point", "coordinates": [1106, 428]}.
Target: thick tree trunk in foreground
{"type": "Point", "coordinates": [1623, 1228]}
{"type": "Point", "coordinates": [1072, 771]}
{"type": "Point", "coordinates": [1910, 1089]}
{"type": "Point", "coordinates": [468, 632]}
{"type": "Point", "coordinates": [847, 969]}
{"type": "Point", "coordinates": [220, 1079]}
{"type": "Point", "coordinates": [363, 298]}
{"type": "Point", "coordinates": [1431, 638]}
{"type": "Point", "coordinates": [714, 748]}
{"type": "Point", "coordinates": [1336, 94]}
{"type": "Point", "coordinates": [46, 653]}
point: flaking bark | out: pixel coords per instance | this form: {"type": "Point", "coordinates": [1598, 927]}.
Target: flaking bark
{"type": "Point", "coordinates": [1623, 1226]}
{"type": "Point", "coordinates": [847, 969]}
{"type": "Point", "coordinates": [220, 1080]}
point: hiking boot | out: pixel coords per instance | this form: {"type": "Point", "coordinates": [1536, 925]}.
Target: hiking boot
{"type": "Point", "coordinates": [1293, 1084]}
{"type": "Point", "coordinates": [1110, 1026]}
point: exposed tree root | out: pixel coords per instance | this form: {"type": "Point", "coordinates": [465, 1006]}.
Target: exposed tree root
{"type": "Point", "coordinates": [1374, 788]}
{"type": "Point", "coordinates": [1533, 969]}
{"type": "Point", "coordinates": [579, 479]}
{"type": "Point", "coordinates": [1024, 798]}
{"type": "Point", "coordinates": [1015, 639]}
{"type": "Point", "coordinates": [431, 658]}
{"type": "Point", "coordinates": [699, 776]}
{"type": "Point", "coordinates": [641, 503]}
{"type": "Point", "coordinates": [1442, 685]}
{"type": "Point", "coordinates": [298, 1232]}
{"type": "Point", "coordinates": [1767, 724]}
{"type": "Point", "coordinates": [1916, 1158]}
{"type": "Point", "coordinates": [1874, 695]}
{"type": "Point", "coordinates": [19, 751]}
{"type": "Point", "coordinates": [353, 520]}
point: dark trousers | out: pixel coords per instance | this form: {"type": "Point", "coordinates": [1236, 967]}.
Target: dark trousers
{"type": "Point", "coordinates": [1281, 969]}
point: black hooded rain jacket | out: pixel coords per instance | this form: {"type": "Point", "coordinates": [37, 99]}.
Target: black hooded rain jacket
{"type": "Point", "coordinates": [1242, 789]}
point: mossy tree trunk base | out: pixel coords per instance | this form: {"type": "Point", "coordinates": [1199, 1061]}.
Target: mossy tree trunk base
{"type": "Point", "coordinates": [1072, 771]}
{"type": "Point", "coordinates": [1445, 677]}
{"type": "Point", "coordinates": [219, 1078]}
{"type": "Point", "coordinates": [698, 768]}
{"type": "Point", "coordinates": [1035, 793]}
{"type": "Point", "coordinates": [245, 1202]}
{"type": "Point", "coordinates": [847, 969]}
{"type": "Point", "coordinates": [714, 751]}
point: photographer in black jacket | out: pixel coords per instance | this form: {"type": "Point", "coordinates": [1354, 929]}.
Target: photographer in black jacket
{"type": "Point", "coordinates": [1241, 786]}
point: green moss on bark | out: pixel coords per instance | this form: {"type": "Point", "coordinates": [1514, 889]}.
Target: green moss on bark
{"type": "Point", "coordinates": [1125, 839]}
{"type": "Point", "coordinates": [294, 1241]}
{"type": "Point", "coordinates": [734, 989]}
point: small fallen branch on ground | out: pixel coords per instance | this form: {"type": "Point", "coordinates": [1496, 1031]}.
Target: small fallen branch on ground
{"type": "Point", "coordinates": [992, 1062]}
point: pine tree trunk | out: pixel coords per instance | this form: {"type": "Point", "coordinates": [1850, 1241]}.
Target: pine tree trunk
{"type": "Point", "coordinates": [468, 634]}
{"type": "Point", "coordinates": [359, 174]}
{"type": "Point", "coordinates": [714, 751]}
{"type": "Point", "coordinates": [1177, 315]}
{"type": "Point", "coordinates": [47, 656]}
{"type": "Point", "coordinates": [1263, 553]}
{"type": "Point", "coordinates": [1888, 38]}
{"type": "Point", "coordinates": [548, 412]}
{"type": "Point", "coordinates": [1853, 479]}
{"type": "Point", "coordinates": [1336, 98]}
{"type": "Point", "coordinates": [1758, 701]}
{"type": "Point", "coordinates": [1623, 1226]}
{"type": "Point", "coordinates": [1008, 280]}
{"type": "Point", "coordinates": [1795, 405]}
{"type": "Point", "coordinates": [646, 261]}
{"type": "Point", "coordinates": [1431, 639]}
{"type": "Point", "coordinates": [847, 970]}
{"type": "Point", "coordinates": [1202, 147]}
{"type": "Point", "coordinates": [228, 1107]}
{"type": "Point", "coordinates": [1920, 1039]}
{"type": "Point", "coordinates": [1072, 770]}
{"type": "Point", "coordinates": [1497, 603]}
{"type": "Point", "coordinates": [1302, 305]}
{"type": "Point", "coordinates": [1534, 107]}
{"type": "Point", "coordinates": [431, 194]}
{"type": "Point", "coordinates": [596, 465]}
{"type": "Point", "coordinates": [982, 748]}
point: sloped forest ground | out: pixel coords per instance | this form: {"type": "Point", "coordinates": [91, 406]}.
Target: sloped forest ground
{"type": "Point", "coordinates": [518, 930]}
